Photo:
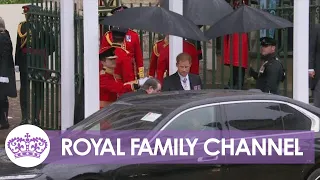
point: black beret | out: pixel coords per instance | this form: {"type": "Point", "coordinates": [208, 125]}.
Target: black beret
{"type": "Point", "coordinates": [31, 7]}
{"type": "Point", "coordinates": [267, 41]}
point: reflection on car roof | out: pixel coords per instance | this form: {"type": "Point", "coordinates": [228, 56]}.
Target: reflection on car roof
{"type": "Point", "coordinates": [179, 98]}
{"type": "Point", "coordinates": [188, 96]}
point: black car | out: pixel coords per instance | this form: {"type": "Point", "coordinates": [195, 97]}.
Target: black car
{"type": "Point", "coordinates": [227, 109]}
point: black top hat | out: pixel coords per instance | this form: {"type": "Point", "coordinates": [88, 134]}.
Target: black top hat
{"type": "Point", "coordinates": [117, 9]}
{"type": "Point", "coordinates": [108, 52]}
{"type": "Point", "coordinates": [267, 41]}
{"type": "Point", "coordinates": [29, 7]}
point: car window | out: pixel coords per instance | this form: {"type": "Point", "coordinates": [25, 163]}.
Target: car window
{"type": "Point", "coordinates": [201, 119]}
{"type": "Point", "coordinates": [140, 117]}
{"type": "Point", "coordinates": [294, 119]}
{"type": "Point", "coordinates": [253, 116]}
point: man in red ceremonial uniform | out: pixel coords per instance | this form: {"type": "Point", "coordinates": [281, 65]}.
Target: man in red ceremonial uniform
{"type": "Point", "coordinates": [125, 68]}
{"type": "Point", "coordinates": [131, 43]}
{"type": "Point", "coordinates": [111, 87]}
{"type": "Point", "coordinates": [157, 48]}
{"type": "Point", "coordinates": [163, 60]}
{"type": "Point", "coordinates": [239, 41]}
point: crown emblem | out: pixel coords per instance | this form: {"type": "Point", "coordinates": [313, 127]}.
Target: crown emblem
{"type": "Point", "coordinates": [27, 146]}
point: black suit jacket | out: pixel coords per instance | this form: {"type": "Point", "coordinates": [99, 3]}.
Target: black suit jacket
{"type": "Point", "coordinates": [314, 54]}
{"type": "Point", "coordinates": [173, 83]}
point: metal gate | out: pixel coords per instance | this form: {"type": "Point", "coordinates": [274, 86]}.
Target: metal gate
{"type": "Point", "coordinates": [44, 62]}
{"type": "Point", "coordinates": [44, 65]}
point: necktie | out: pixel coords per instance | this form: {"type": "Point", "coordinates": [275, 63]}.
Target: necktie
{"type": "Point", "coordinates": [184, 82]}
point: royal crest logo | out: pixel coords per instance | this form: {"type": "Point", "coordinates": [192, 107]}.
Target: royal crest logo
{"type": "Point", "coordinates": [27, 146]}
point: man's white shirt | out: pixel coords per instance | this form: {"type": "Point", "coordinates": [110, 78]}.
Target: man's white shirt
{"type": "Point", "coordinates": [185, 82]}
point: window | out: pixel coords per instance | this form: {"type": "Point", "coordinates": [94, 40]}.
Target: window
{"type": "Point", "coordinates": [127, 117]}
{"type": "Point", "coordinates": [294, 119]}
{"type": "Point", "coordinates": [200, 119]}
{"type": "Point", "coordinates": [253, 116]}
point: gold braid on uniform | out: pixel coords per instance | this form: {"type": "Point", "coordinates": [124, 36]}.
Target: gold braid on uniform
{"type": "Point", "coordinates": [155, 50]}
{"type": "Point", "coordinates": [126, 51]}
{"type": "Point", "coordinates": [141, 72]}
{"type": "Point", "coordinates": [107, 35]}
{"type": "Point", "coordinates": [22, 36]}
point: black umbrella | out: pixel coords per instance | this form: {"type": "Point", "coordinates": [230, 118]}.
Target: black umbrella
{"type": "Point", "coordinates": [246, 19]}
{"type": "Point", "coordinates": [203, 12]}
{"type": "Point", "coordinates": [156, 19]}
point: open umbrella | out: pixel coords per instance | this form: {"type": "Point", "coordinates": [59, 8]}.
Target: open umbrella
{"type": "Point", "coordinates": [203, 12]}
{"type": "Point", "coordinates": [156, 19]}
{"type": "Point", "coordinates": [246, 19]}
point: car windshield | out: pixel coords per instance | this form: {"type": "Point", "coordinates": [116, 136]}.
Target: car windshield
{"type": "Point", "coordinates": [126, 117]}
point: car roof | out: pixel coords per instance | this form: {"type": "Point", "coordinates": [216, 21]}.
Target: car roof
{"type": "Point", "coordinates": [184, 97]}
{"type": "Point", "coordinates": [197, 97]}
{"type": "Point", "coordinates": [174, 102]}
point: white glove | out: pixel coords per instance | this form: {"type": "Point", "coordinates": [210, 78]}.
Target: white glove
{"type": "Point", "coordinates": [4, 79]}
{"type": "Point", "coordinates": [16, 68]}
{"type": "Point", "coordinates": [142, 81]}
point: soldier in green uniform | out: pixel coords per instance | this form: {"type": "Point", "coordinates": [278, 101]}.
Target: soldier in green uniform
{"type": "Point", "coordinates": [271, 72]}
{"type": "Point", "coordinates": [38, 50]}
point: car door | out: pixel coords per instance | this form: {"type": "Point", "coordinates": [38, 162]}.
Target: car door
{"type": "Point", "coordinates": [254, 115]}
{"type": "Point", "coordinates": [201, 118]}
{"type": "Point", "coordinates": [297, 119]}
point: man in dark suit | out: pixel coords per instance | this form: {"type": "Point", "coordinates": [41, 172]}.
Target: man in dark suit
{"type": "Point", "coordinates": [314, 63]}
{"type": "Point", "coordinates": [182, 79]}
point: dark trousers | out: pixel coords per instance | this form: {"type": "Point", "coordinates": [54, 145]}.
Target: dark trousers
{"type": "Point", "coordinates": [4, 110]}
{"type": "Point", "coordinates": [79, 104]}
{"type": "Point", "coordinates": [316, 95]}
{"type": "Point", "coordinates": [37, 97]}
{"type": "Point", "coordinates": [24, 94]}
{"type": "Point", "coordinates": [237, 78]}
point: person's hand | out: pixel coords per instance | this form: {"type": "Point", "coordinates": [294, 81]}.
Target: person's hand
{"type": "Point", "coordinates": [251, 71]}
{"type": "Point", "coordinates": [4, 80]}
{"type": "Point", "coordinates": [312, 73]}
{"type": "Point", "coordinates": [142, 81]}
{"type": "Point", "coordinates": [16, 68]}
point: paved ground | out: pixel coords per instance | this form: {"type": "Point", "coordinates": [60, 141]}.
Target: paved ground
{"type": "Point", "coordinates": [6, 167]}
{"type": "Point", "coordinates": [14, 118]}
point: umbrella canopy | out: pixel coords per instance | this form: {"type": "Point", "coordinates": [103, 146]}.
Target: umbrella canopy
{"type": "Point", "coordinates": [203, 12]}
{"type": "Point", "coordinates": [246, 19]}
{"type": "Point", "coordinates": [156, 19]}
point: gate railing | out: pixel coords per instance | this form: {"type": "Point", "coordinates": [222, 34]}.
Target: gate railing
{"type": "Point", "coordinates": [44, 65]}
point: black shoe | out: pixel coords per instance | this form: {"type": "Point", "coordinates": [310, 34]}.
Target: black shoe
{"type": "Point", "coordinates": [36, 122]}
{"type": "Point", "coordinates": [24, 121]}
{"type": "Point", "coordinates": [4, 126]}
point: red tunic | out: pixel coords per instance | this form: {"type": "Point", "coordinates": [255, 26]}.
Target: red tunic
{"type": "Point", "coordinates": [235, 50]}
{"type": "Point", "coordinates": [163, 60]}
{"type": "Point", "coordinates": [111, 87]}
{"type": "Point", "coordinates": [157, 48]}
{"type": "Point", "coordinates": [124, 66]}
{"type": "Point", "coordinates": [235, 46]}
{"type": "Point", "coordinates": [131, 44]}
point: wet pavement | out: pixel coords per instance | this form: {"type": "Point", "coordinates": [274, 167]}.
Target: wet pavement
{"type": "Point", "coordinates": [14, 118]}
{"type": "Point", "coordinates": [6, 166]}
